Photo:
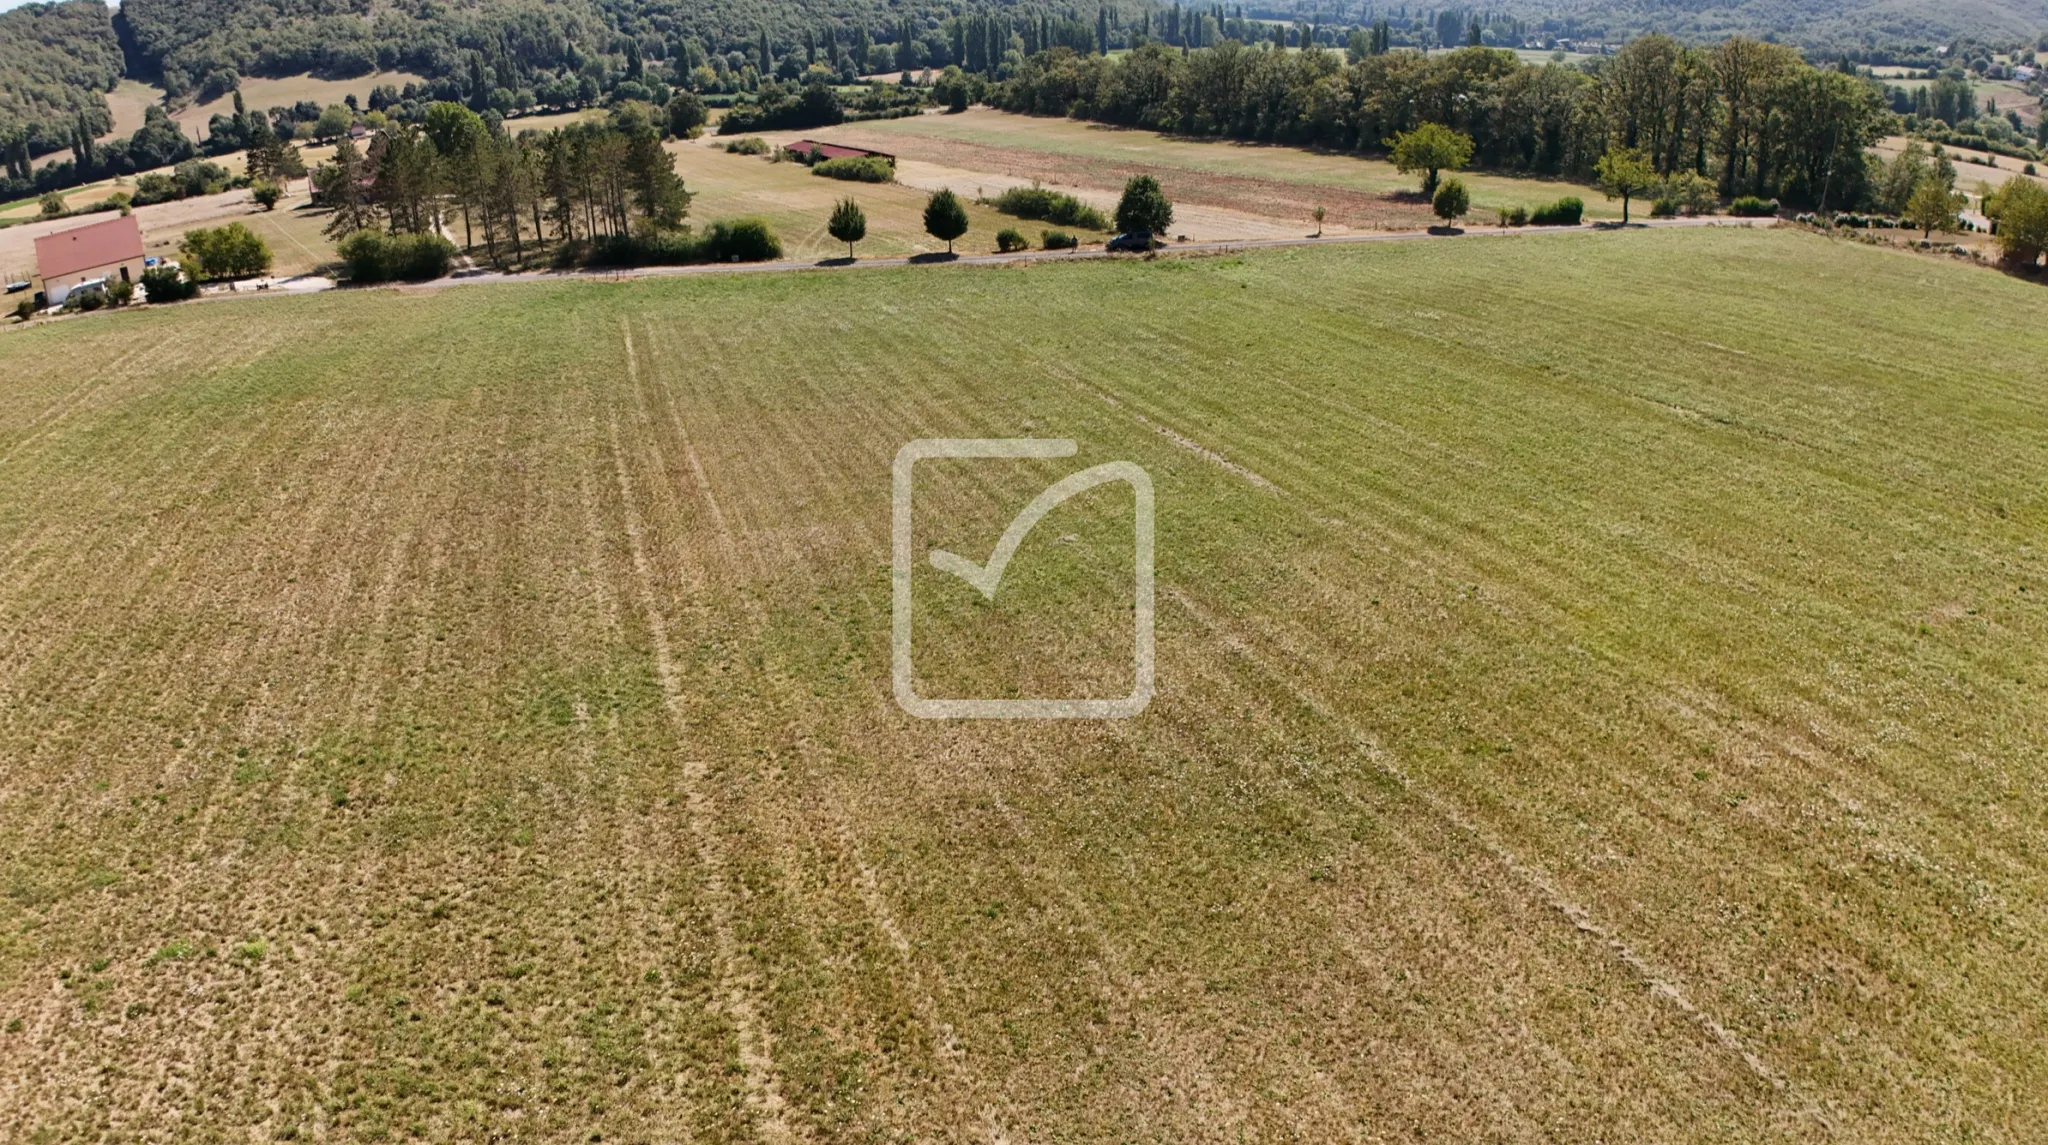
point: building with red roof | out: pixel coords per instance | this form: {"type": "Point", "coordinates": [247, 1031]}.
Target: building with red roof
{"type": "Point", "coordinates": [803, 149]}
{"type": "Point", "coordinates": [97, 252]}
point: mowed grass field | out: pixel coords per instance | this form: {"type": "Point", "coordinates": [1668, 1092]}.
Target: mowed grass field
{"type": "Point", "coordinates": [798, 204]}
{"type": "Point", "coordinates": [1599, 698]}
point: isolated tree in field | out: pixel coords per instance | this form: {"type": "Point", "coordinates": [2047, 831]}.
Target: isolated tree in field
{"type": "Point", "coordinates": [945, 218]}
{"type": "Point", "coordinates": [1431, 149]}
{"type": "Point", "coordinates": [849, 224]}
{"type": "Point", "coordinates": [1933, 206]}
{"type": "Point", "coordinates": [1319, 213]}
{"type": "Point", "coordinates": [1143, 207]}
{"type": "Point", "coordinates": [1451, 201]}
{"type": "Point", "coordinates": [266, 193]}
{"type": "Point", "coordinates": [1625, 172]}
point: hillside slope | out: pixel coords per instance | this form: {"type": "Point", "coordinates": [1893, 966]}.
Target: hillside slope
{"type": "Point", "coordinates": [1805, 22]}
{"type": "Point", "coordinates": [57, 61]}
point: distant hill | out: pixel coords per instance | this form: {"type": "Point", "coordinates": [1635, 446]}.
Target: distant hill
{"type": "Point", "coordinates": [1809, 23]}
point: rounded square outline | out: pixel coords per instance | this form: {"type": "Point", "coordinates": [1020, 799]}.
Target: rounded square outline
{"type": "Point", "coordinates": [901, 563]}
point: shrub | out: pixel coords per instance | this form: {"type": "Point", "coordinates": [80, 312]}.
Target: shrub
{"type": "Point", "coordinates": [51, 205]}
{"type": "Point", "coordinates": [1566, 212]}
{"type": "Point", "coordinates": [25, 309]}
{"type": "Point", "coordinates": [1035, 202]}
{"type": "Point", "coordinates": [373, 256]}
{"type": "Point", "coordinates": [751, 145]}
{"type": "Point", "coordinates": [1010, 238]}
{"type": "Point", "coordinates": [1751, 207]}
{"type": "Point", "coordinates": [1691, 193]}
{"type": "Point", "coordinates": [666, 248]}
{"type": "Point", "coordinates": [85, 299]}
{"type": "Point", "coordinates": [1451, 201]}
{"type": "Point", "coordinates": [266, 193]}
{"type": "Point", "coordinates": [167, 284]}
{"type": "Point", "coordinates": [1514, 217]}
{"type": "Point", "coordinates": [740, 240]}
{"type": "Point", "coordinates": [1058, 240]}
{"type": "Point", "coordinates": [155, 187]}
{"type": "Point", "coordinates": [866, 169]}
{"type": "Point", "coordinates": [120, 292]}
{"type": "Point", "coordinates": [1664, 209]}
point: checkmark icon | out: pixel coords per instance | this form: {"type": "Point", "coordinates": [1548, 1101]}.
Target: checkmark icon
{"type": "Point", "coordinates": [987, 577]}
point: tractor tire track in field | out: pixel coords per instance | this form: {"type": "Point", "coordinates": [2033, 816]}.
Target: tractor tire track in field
{"type": "Point", "coordinates": [792, 716]}
{"type": "Point", "coordinates": [1174, 1050]}
{"type": "Point", "coordinates": [1659, 983]}
{"type": "Point", "coordinates": [756, 1052]}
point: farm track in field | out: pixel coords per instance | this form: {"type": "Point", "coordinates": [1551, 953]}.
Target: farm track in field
{"type": "Point", "coordinates": [1622, 728]}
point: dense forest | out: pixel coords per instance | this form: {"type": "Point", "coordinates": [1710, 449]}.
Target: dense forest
{"type": "Point", "coordinates": [56, 63]}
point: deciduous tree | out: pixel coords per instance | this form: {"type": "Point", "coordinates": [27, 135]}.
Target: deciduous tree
{"type": "Point", "coordinates": [1143, 207]}
{"type": "Point", "coordinates": [1431, 149]}
{"type": "Point", "coordinates": [1625, 172]}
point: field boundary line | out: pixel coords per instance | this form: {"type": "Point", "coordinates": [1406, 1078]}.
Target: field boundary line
{"type": "Point", "coordinates": [1659, 984]}
{"type": "Point", "coordinates": [755, 1050]}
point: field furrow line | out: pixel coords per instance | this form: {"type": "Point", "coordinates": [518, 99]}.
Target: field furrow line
{"type": "Point", "coordinates": [755, 1049]}
{"type": "Point", "coordinates": [797, 716]}
{"type": "Point", "coordinates": [1657, 982]}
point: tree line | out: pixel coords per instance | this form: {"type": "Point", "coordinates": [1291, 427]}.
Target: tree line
{"type": "Point", "coordinates": [1754, 117]}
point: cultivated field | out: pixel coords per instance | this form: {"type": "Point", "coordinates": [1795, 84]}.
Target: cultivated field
{"type": "Point", "coordinates": [1599, 699]}
{"type": "Point", "coordinates": [1252, 180]}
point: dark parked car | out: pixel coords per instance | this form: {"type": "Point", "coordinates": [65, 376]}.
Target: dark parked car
{"type": "Point", "coordinates": [1134, 241]}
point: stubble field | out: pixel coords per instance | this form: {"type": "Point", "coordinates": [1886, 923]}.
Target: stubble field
{"type": "Point", "coordinates": [1599, 699]}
